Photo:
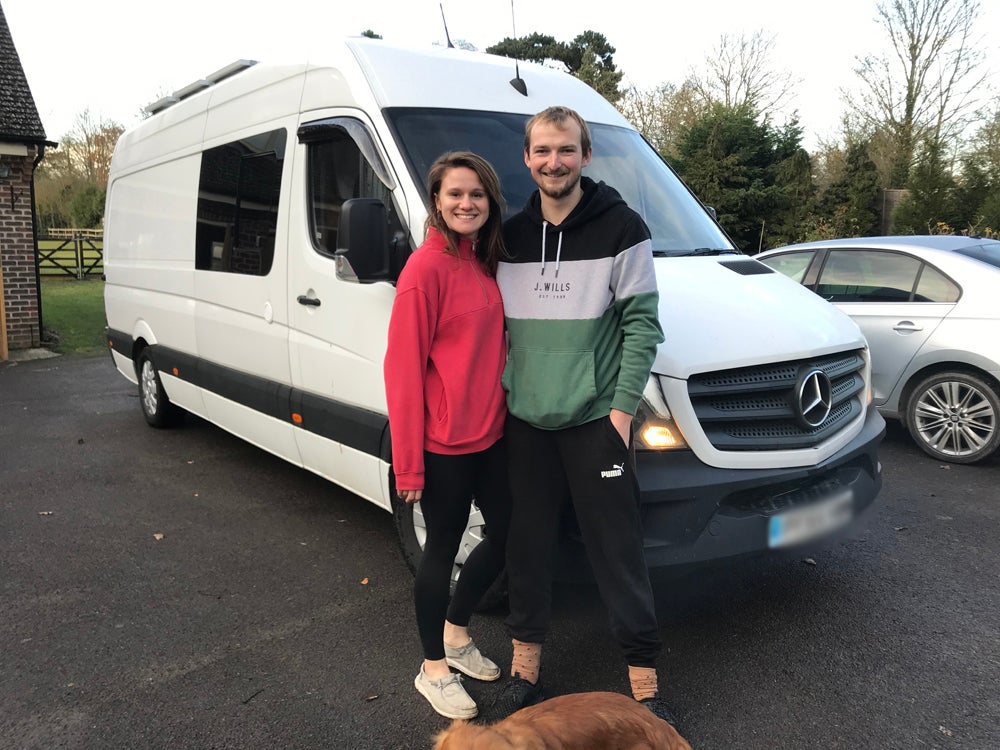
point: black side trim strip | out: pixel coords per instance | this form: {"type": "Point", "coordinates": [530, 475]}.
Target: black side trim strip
{"type": "Point", "coordinates": [361, 429]}
{"type": "Point", "coordinates": [119, 341]}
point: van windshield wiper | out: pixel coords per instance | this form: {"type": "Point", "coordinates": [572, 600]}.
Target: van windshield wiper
{"type": "Point", "coordinates": [711, 251]}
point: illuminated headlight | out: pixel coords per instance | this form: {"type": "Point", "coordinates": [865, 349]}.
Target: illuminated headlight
{"type": "Point", "coordinates": [654, 427]}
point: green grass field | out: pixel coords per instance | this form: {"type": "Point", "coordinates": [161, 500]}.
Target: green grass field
{"type": "Point", "coordinates": [74, 310]}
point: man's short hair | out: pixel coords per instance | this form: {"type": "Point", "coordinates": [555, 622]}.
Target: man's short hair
{"type": "Point", "coordinates": [558, 117]}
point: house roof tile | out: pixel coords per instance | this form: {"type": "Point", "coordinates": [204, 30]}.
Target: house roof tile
{"type": "Point", "coordinates": [19, 120]}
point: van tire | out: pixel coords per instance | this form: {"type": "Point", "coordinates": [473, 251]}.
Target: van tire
{"type": "Point", "coordinates": [940, 421]}
{"type": "Point", "coordinates": [156, 406]}
{"type": "Point", "coordinates": [411, 534]}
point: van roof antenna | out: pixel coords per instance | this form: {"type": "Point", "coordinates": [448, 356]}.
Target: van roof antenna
{"type": "Point", "coordinates": [517, 82]}
{"type": "Point", "coordinates": [445, 22]}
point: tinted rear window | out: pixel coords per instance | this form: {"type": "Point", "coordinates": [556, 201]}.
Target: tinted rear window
{"type": "Point", "coordinates": [988, 252]}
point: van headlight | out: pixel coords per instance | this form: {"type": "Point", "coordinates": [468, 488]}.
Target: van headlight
{"type": "Point", "coordinates": [655, 429]}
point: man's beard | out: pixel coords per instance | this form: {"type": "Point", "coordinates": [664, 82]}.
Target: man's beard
{"type": "Point", "coordinates": [562, 192]}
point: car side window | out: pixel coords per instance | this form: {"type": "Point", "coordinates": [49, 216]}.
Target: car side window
{"type": "Point", "coordinates": [934, 286]}
{"type": "Point", "coordinates": [793, 265]}
{"type": "Point", "coordinates": [868, 276]}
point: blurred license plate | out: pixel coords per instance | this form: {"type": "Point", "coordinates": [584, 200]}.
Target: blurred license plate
{"type": "Point", "coordinates": [808, 522]}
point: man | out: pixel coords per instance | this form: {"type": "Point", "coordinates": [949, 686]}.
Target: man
{"type": "Point", "coordinates": [580, 300]}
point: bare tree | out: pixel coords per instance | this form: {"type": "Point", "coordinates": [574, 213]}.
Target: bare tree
{"type": "Point", "coordinates": [91, 144]}
{"type": "Point", "coordinates": [661, 113]}
{"type": "Point", "coordinates": [78, 168]}
{"type": "Point", "coordinates": [924, 88]}
{"type": "Point", "coordinates": [739, 73]}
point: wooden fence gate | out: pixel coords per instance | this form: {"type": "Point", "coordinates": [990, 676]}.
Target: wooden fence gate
{"type": "Point", "coordinates": [73, 252]}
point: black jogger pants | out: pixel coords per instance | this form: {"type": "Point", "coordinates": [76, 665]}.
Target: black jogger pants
{"type": "Point", "coordinates": [590, 467]}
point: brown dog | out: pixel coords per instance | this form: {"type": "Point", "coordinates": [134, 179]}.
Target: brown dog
{"type": "Point", "coordinates": [581, 721]}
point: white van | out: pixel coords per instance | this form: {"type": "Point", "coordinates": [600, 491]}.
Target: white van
{"type": "Point", "coordinates": [256, 223]}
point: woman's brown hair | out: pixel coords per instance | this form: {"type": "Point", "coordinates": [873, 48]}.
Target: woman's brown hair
{"type": "Point", "coordinates": [489, 247]}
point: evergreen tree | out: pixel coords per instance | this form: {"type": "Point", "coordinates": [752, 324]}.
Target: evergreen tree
{"type": "Point", "coordinates": [755, 176]}
{"type": "Point", "coordinates": [850, 204]}
{"type": "Point", "coordinates": [588, 57]}
{"type": "Point", "coordinates": [978, 197]}
{"type": "Point", "coordinates": [929, 206]}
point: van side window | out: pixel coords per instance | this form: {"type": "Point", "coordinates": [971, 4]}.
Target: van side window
{"type": "Point", "coordinates": [343, 164]}
{"type": "Point", "coordinates": [238, 204]}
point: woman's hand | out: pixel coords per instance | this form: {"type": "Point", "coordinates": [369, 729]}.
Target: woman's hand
{"type": "Point", "coordinates": [410, 496]}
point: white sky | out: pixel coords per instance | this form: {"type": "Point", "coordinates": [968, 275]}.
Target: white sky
{"type": "Point", "coordinates": [116, 56]}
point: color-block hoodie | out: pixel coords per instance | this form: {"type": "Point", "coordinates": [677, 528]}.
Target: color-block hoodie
{"type": "Point", "coordinates": [444, 359]}
{"type": "Point", "coordinates": [580, 301]}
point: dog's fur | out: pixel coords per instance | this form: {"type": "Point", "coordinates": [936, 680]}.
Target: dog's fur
{"type": "Point", "coordinates": [581, 721]}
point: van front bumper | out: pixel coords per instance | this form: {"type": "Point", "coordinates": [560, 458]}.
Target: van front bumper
{"type": "Point", "coordinates": [695, 513]}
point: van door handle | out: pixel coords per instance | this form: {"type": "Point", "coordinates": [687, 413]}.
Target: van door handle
{"type": "Point", "coordinates": [311, 301]}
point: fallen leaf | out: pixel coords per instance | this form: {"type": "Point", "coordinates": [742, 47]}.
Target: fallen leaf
{"type": "Point", "coordinates": [945, 731]}
{"type": "Point", "coordinates": [364, 581]}
{"type": "Point", "coordinates": [157, 537]}
{"type": "Point", "coordinates": [809, 561]}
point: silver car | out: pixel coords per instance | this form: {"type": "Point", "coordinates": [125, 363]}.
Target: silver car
{"type": "Point", "coordinates": [930, 309]}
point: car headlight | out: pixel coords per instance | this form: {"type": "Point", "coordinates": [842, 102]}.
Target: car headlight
{"type": "Point", "coordinates": [655, 429]}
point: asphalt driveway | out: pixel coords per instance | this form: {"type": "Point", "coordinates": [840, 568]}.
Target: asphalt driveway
{"type": "Point", "coordinates": [183, 589]}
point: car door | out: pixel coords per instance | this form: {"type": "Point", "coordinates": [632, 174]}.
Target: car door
{"type": "Point", "coordinates": [895, 298]}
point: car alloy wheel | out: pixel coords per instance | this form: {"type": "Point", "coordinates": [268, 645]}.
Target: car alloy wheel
{"type": "Point", "coordinates": [954, 416]}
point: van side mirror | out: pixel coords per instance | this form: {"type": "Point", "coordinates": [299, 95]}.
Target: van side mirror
{"type": "Point", "coordinates": [363, 252]}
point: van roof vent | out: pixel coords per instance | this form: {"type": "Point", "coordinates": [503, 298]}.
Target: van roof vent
{"type": "Point", "coordinates": [199, 85]}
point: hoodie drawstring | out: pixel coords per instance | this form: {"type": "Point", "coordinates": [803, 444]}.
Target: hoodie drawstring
{"type": "Point", "coordinates": [545, 226]}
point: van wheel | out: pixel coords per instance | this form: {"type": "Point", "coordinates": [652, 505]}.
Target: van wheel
{"type": "Point", "coordinates": [156, 406]}
{"type": "Point", "coordinates": [953, 416]}
{"type": "Point", "coordinates": [412, 532]}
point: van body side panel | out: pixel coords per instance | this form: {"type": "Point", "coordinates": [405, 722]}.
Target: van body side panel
{"type": "Point", "coordinates": [149, 264]}
{"type": "Point", "coordinates": [259, 96]}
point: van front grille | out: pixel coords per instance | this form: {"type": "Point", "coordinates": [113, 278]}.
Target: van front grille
{"type": "Point", "coordinates": [760, 408]}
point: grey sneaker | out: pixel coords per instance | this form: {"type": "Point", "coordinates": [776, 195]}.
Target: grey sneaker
{"type": "Point", "coordinates": [468, 660]}
{"type": "Point", "coordinates": [446, 695]}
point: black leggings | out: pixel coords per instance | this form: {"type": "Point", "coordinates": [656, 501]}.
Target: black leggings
{"type": "Point", "coordinates": [450, 483]}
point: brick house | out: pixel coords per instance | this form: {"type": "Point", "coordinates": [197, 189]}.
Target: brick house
{"type": "Point", "coordinates": [22, 147]}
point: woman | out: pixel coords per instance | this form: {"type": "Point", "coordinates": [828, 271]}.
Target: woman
{"type": "Point", "coordinates": [445, 355]}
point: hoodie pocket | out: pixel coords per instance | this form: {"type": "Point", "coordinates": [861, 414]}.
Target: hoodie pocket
{"type": "Point", "coordinates": [550, 389]}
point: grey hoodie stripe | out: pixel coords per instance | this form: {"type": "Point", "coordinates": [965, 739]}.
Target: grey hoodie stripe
{"type": "Point", "coordinates": [633, 271]}
{"type": "Point", "coordinates": [580, 293]}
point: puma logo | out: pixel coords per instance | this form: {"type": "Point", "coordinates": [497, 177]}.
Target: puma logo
{"type": "Point", "coordinates": [616, 471]}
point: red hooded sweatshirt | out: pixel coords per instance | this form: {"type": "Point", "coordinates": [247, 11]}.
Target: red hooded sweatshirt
{"type": "Point", "coordinates": [446, 352]}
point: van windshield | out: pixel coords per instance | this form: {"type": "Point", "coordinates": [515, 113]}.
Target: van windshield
{"type": "Point", "coordinates": [621, 158]}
